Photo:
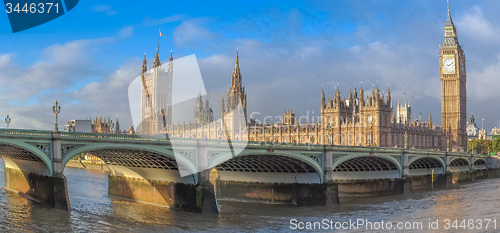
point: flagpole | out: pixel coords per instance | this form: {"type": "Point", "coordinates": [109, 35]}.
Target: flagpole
{"type": "Point", "coordinates": [159, 35]}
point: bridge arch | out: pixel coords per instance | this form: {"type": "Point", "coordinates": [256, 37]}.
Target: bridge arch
{"type": "Point", "coordinates": [479, 164]}
{"type": "Point", "coordinates": [459, 164]}
{"type": "Point", "coordinates": [288, 164]}
{"type": "Point", "coordinates": [423, 165]}
{"type": "Point", "coordinates": [366, 167]}
{"type": "Point", "coordinates": [33, 153]}
{"type": "Point", "coordinates": [152, 158]}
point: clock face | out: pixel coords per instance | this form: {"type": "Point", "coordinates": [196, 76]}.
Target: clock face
{"type": "Point", "coordinates": [449, 64]}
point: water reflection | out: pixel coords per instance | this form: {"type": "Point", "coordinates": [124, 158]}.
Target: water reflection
{"type": "Point", "coordinates": [93, 211]}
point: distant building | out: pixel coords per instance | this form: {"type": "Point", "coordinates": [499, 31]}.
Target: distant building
{"type": "Point", "coordinates": [358, 120]}
{"type": "Point", "coordinates": [156, 96]}
{"type": "Point", "coordinates": [403, 113]}
{"type": "Point", "coordinates": [495, 133]}
{"type": "Point", "coordinates": [78, 126]}
{"type": "Point", "coordinates": [203, 114]}
{"type": "Point", "coordinates": [364, 119]}
{"type": "Point", "coordinates": [472, 129]}
{"type": "Point", "coordinates": [453, 78]}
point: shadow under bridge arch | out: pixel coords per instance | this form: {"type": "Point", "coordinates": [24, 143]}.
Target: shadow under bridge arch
{"type": "Point", "coordinates": [268, 168]}
{"type": "Point", "coordinates": [420, 166]}
{"type": "Point", "coordinates": [479, 164]}
{"type": "Point", "coordinates": [459, 165]}
{"type": "Point", "coordinates": [134, 161]}
{"type": "Point", "coordinates": [366, 167]}
{"type": "Point", "coordinates": [26, 157]}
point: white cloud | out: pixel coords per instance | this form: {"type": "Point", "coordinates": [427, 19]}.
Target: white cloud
{"type": "Point", "coordinates": [484, 83]}
{"type": "Point", "coordinates": [30, 90]}
{"type": "Point", "coordinates": [148, 21]}
{"type": "Point", "coordinates": [191, 33]}
{"type": "Point", "coordinates": [126, 32]}
{"type": "Point", "coordinates": [105, 9]}
{"type": "Point", "coordinates": [474, 24]}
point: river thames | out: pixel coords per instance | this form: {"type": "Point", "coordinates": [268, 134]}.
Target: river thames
{"type": "Point", "coordinates": [93, 211]}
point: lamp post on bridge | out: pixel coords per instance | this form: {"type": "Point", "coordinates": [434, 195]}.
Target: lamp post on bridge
{"type": "Point", "coordinates": [7, 120]}
{"type": "Point", "coordinates": [56, 109]}
{"type": "Point", "coordinates": [406, 140]}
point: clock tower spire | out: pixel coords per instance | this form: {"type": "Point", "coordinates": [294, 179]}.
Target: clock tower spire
{"type": "Point", "coordinates": [453, 86]}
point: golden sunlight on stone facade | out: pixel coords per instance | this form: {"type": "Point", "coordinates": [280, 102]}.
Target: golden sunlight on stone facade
{"type": "Point", "coordinates": [453, 87]}
{"type": "Point", "coordinates": [362, 119]}
{"type": "Point", "coordinates": [356, 121]}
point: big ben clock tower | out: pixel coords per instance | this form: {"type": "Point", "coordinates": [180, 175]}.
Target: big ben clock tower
{"type": "Point", "coordinates": [453, 87]}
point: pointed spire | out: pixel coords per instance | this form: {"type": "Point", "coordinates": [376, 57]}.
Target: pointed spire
{"type": "Point", "coordinates": [199, 103]}
{"type": "Point", "coordinates": [430, 120]}
{"type": "Point", "coordinates": [237, 63]}
{"type": "Point", "coordinates": [144, 70]}
{"type": "Point", "coordinates": [144, 64]}
{"type": "Point", "coordinates": [450, 32]}
{"type": "Point", "coordinates": [222, 107]}
{"type": "Point", "coordinates": [389, 101]}
{"type": "Point", "coordinates": [322, 98]}
{"type": "Point", "coordinates": [157, 61]}
{"type": "Point", "coordinates": [236, 77]}
{"type": "Point", "coordinates": [171, 58]}
{"type": "Point", "coordinates": [449, 21]}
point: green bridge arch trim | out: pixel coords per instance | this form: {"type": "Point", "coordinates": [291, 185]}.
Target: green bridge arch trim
{"type": "Point", "coordinates": [466, 159]}
{"type": "Point", "coordinates": [342, 159]}
{"type": "Point", "coordinates": [33, 149]}
{"type": "Point", "coordinates": [476, 159]}
{"type": "Point", "coordinates": [441, 161]}
{"type": "Point", "coordinates": [99, 146]}
{"type": "Point", "coordinates": [219, 159]}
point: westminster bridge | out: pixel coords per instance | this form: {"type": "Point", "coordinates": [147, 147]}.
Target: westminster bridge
{"type": "Point", "coordinates": [174, 172]}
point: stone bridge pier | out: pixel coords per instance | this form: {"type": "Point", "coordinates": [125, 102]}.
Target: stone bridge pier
{"type": "Point", "coordinates": [149, 174]}
{"type": "Point", "coordinates": [159, 177]}
{"type": "Point", "coordinates": [174, 172]}
{"type": "Point", "coordinates": [30, 170]}
{"type": "Point", "coordinates": [274, 176]}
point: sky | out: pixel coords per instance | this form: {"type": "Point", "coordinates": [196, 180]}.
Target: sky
{"type": "Point", "coordinates": [288, 51]}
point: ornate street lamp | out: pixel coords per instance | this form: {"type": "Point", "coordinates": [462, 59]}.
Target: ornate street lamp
{"type": "Point", "coordinates": [406, 140]}
{"type": "Point", "coordinates": [7, 120]}
{"type": "Point", "coordinates": [56, 109]}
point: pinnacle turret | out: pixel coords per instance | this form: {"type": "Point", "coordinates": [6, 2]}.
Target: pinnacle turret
{"type": "Point", "coordinates": [144, 64]}
{"type": "Point", "coordinates": [157, 61]}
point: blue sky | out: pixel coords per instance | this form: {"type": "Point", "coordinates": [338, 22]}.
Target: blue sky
{"type": "Point", "coordinates": [88, 57]}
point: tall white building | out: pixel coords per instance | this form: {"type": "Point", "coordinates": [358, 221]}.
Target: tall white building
{"type": "Point", "coordinates": [156, 96]}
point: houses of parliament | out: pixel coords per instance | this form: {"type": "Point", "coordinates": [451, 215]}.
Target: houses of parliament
{"type": "Point", "coordinates": [365, 118]}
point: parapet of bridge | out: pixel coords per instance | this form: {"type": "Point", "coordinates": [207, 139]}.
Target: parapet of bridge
{"type": "Point", "coordinates": [174, 172]}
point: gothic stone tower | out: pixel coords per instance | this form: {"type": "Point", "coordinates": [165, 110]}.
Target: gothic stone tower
{"type": "Point", "coordinates": [234, 113]}
{"type": "Point", "coordinates": [453, 86]}
{"type": "Point", "coordinates": [156, 96]}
